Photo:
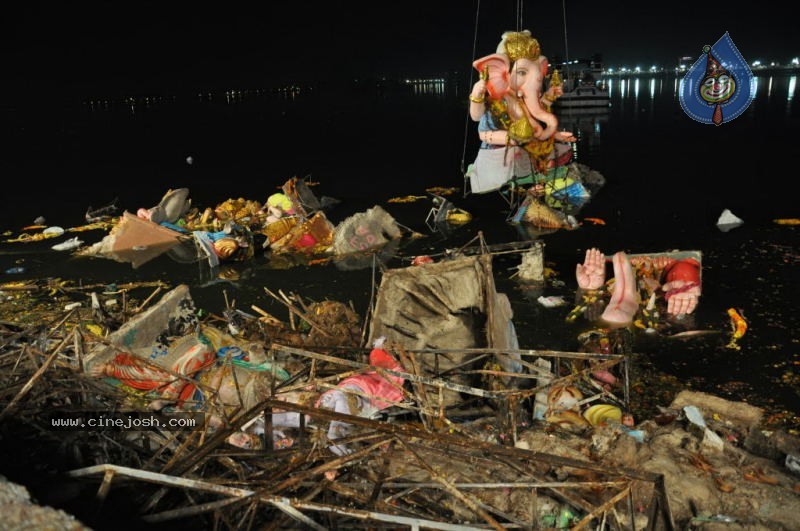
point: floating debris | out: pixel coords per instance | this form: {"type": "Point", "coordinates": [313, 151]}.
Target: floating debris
{"type": "Point", "coordinates": [68, 245]}
{"type": "Point", "coordinates": [553, 301]}
{"type": "Point", "coordinates": [441, 190]}
{"type": "Point", "coordinates": [594, 221]}
{"type": "Point", "coordinates": [407, 199]}
{"type": "Point", "coordinates": [738, 328]}
{"type": "Point", "coordinates": [728, 221]}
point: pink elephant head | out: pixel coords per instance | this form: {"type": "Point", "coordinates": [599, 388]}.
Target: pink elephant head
{"type": "Point", "coordinates": [518, 70]}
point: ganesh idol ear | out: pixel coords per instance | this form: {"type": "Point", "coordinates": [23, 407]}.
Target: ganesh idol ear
{"type": "Point", "coordinates": [498, 67]}
{"type": "Point", "coordinates": [544, 64]}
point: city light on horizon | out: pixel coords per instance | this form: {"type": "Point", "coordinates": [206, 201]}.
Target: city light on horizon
{"type": "Point", "coordinates": [683, 64]}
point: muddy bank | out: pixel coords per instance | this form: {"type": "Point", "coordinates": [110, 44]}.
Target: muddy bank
{"type": "Point", "coordinates": [21, 512]}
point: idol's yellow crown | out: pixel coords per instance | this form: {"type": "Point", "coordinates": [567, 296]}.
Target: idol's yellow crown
{"type": "Point", "coordinates": [519, 45]}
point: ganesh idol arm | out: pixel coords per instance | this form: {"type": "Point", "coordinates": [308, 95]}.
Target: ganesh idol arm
{"type": "Point", "coordinates": [477, 100]}
{"type": "Point", "coordinates": [497, 137]}
{"type": "Point", "coordinates": [553, 92]}
{"type": "Point", "coordinates": [493, 83]}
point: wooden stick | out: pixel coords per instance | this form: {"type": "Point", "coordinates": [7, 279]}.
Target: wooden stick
{"type": "Point", "coordinates": [271, 318]}
{"type": "Point", "coordinates": [293, 309]}
{"type": "Point", "coordinates": [333, 464]}
{"type": "Point", "coordinates": [602, 509]}
{"type": "Point", "coordinates": [36, 376]}
{"type": "Point", "coordinates": [105, 486]}
{"type": "Point", "coordinates": [183, 512]}
{"type": "Point", "coordinates": [449, 487]}
{"type": "Point", "coordinates": [52, 327]}
{"type": "Point", "coordinates": [147, 300]}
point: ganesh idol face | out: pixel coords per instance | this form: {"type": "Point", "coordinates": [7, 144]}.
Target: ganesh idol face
{"type": "Point", "coordinates": [521, 73]}
{"type": "Point", "coordinates": [717, 88]}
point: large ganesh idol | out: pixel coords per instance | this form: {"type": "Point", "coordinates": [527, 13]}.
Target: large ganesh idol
{"type": "Point", "coordinates": [519, 134]}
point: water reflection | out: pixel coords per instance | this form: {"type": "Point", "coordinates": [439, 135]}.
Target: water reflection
{"type": "Point", "coordinates": [290, 92]}
{"type": "Point", "coordinates": [620, 89]}
{"type": "Point", "coordinates": [766, 86]}
{"type": "Point", "coordinates": [587, 124]}
{"type": "Point", "coordinates": [131, 104]}
{"type": "Point", "coordinates": [435, 86]}
{"type": "Point", "coordinates": [135, 104]}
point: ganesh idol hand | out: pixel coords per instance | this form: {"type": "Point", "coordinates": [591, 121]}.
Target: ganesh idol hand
{"type": "Point", "coordinates": [553, 93]}
{"type": "Point", "coordinates": [680, 302]}
{"type": "Point", "coordinates": [565, 136]}
{"type": "Point", "coordinates": [478, 90]}
{"type": "Point", "coordinates": [592, 273]}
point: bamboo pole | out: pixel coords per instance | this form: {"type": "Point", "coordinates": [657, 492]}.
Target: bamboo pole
{"type": "Point", "coordinates": [486, 350]}
{"type": "Point", "coordinates": [495, 485]}
{"type": "Point", "coordinates": [445, 439]}
{"type": "Point", "coordinates": [182, 482]}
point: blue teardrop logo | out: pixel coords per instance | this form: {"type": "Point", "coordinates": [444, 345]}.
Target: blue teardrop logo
{"type": "Point", "coordinates": [719, 86]}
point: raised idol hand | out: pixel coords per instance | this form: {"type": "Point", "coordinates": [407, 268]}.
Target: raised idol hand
{"type": "Point", "coordinates": [592, 273]}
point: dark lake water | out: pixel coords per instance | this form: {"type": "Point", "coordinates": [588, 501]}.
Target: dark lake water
{"type": "Point", "coordinates": [668, 180]}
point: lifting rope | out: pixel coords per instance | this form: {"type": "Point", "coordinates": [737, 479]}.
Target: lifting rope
{"type": "Point", "coordinates": [519, 27]}
{"type": "Point", "coordinates": [469, 85]}
{"type": "Point", "coordinates": [519, 4]}
{"type": "Point", "coordinates": [566, 47]}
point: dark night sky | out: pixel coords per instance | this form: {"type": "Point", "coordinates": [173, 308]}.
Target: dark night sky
{"type": "Point", "coordinates": [92, 45]}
